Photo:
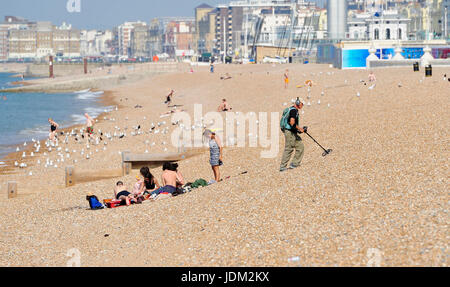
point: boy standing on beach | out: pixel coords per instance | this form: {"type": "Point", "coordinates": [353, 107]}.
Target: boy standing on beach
{"type": "Point", "coordinates": [89, 126]}
{"type": "Point", "coordinates": [286, 79]}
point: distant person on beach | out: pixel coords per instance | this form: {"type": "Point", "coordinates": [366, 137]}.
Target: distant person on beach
{"type": "Point", "coordinates": [169, 98]}
{"type": "Point", "coordinates": [121, 193]}
{"type": "Point", "coordinates": [89, 126]}
{"type": "Point", "coordinates": [150, 182]}
{"type": "Point", "coordinates": [290, 128]}
{"type": "Point", "coordinates": [224, 107]}
{"type": "Point", "coordinates": [226, 77]}
{"type": "Point", "coordinates": [372, 77]}
{"type": "Point", "coordinates": [286, 79]}
{"type": "Point", "coordinates": [215, 152]}
{"type": "Point", "coordinates": [172, 112]}
{"type": "Point", "coordinates": [53, 127]}
{"type": "Point", "coordinates": [211, 67]}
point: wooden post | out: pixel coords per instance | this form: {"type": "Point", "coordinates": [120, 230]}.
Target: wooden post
{"type": "Point", "coordinates": [12, 189]}
{"type": "Point", "coordinates": [126, 166]}
{"type": "Point", "coordinates": [70, 178]}
{"type": "Point", "coordinates": [85, 65]}
{"type": "Point", "coordinates": [50, 66]}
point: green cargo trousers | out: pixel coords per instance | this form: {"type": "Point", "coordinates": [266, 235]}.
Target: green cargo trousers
{"type": "Point", "coordinates": [292, 142]}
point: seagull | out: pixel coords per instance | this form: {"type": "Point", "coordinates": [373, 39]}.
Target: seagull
{"type": "Point", "coordinates": [372, 87]}
{"type": "Point", "coordinates": [358, 94]}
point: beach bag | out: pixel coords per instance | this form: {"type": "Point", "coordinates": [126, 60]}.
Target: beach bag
{"type": "Point", "coordinates": [284, 123]}
{"type": "Point", "coordinates": [199, 183]}
{"type": "Point", "coordinates": [94, 203]}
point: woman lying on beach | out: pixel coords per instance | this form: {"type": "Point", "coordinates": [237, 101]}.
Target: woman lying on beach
{"type": "Point", "coordinates": [53, 127]}
{"type": "Point", "coordinates": [150, 182]}
{"type": "Point", "coordinates": [215, 151]}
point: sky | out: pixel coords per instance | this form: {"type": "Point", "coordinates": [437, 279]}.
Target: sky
{"type": "Point", "coordinates": [99, 14]}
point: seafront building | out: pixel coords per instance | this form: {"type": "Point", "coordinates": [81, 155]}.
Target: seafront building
{"type": "Point", "coordinates": [239, 30]}
{"type": "Point", "coordinates": [96, 43]}
{"type": "Point", "coordinates": [35, 40]}
{"type": "Point", "coordinates": [4, 46]}
{"type": "Point", "coordinates": [127, 40]}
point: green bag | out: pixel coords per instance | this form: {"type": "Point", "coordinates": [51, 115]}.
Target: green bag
{"type": "Point", "coordinates": [199, 183]}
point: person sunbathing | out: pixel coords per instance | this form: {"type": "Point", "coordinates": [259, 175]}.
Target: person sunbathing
{"type": "Point", "coordinates": [172, 112]}
{"type": "Point", "coordinates": [150, 182]}
{"type": "Point", "coordinates": [226, 77]}
{"type": "Point", "coordinates": [170, 178]}
{"type": "Point", "coordinates": [224, 107]}
{"type": "Point", "coordinates": [121, 193]}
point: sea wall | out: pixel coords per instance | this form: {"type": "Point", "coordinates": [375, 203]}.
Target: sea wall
{"type": "Point", "coordinates": [92, 81]}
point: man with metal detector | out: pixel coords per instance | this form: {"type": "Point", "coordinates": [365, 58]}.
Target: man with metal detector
{"type": "Point", "coordinates": [293, 141]}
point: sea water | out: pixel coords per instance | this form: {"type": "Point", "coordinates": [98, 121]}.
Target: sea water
{"type": "Point", "coordinates": [24, 116]}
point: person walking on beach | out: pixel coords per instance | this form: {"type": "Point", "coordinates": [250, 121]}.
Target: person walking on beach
{"type": "Point", "coordinates": [169, 98]}
{"type": "Point", "coordinates": [89, 126]}
{"type": "Point", "coordinates": [53, 127]}
{"type": "Point", "coordinates": [372, 77]}
{"type": "Point", "coordinates": [286, 79]}
{"type": "Point", "coordinates": [211, 67]}
{"type": "Point", "coordinates": [290, 128]}
{"type": "Point", "coordinates": [215, 151]}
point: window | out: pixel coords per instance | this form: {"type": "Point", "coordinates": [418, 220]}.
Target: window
{"type": "Point", "coordinates": [399, 33]}
{"type": "Point", "coordinates": [376, 33]}
{"type": "Point", "coordinates": [388, 34]}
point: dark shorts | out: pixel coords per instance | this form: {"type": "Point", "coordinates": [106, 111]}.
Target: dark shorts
{"type": "Point", "coordinates": [122, 193]}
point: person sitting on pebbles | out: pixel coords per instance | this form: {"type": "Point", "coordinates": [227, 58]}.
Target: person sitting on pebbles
{"type": "Point", "coordinates": [121, 193]}
{"type": "Point", "coordinates": [150, 183]}
{"type": "Point", "coordinates": [171, 179]}
{"type": "Point", "coordinates": [224, 106]}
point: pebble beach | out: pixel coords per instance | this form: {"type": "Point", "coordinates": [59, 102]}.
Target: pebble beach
{"type": "Point", "coordinates": [381, 196]}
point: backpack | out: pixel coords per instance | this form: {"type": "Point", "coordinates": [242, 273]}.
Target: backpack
{"type": "Point", "coordinates": [94, 203]}
{"type": "Point", "coordinates": [284, 122]}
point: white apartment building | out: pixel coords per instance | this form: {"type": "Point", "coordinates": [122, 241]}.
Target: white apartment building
{"type": "Point", "coordinates": [124, 36]}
